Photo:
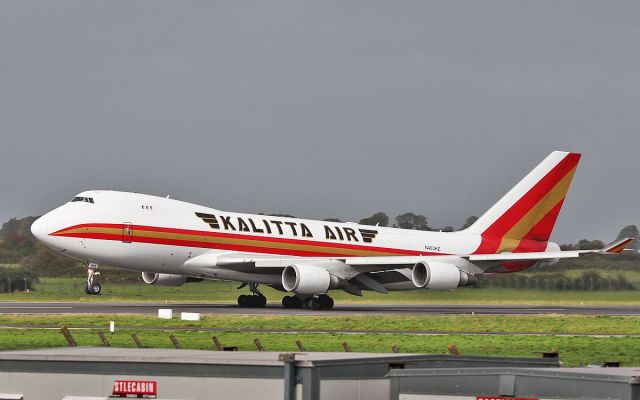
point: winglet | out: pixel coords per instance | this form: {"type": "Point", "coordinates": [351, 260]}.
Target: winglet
{"type": "Point", "coordinates": [618, 246]}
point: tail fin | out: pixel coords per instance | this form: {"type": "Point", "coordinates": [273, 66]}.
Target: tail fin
{"type": "Point", "coordinates": [529, 210]}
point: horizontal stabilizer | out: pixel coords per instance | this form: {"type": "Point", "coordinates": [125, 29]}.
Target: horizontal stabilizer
{"type": "Point", "coordinates": [537, 256]}
{"type": "Point", "coordinates": [617, 247]}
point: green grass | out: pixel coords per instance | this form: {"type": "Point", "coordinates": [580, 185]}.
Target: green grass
{"type": "Point", "coordinates": [547, 324]}
{"type": "Point", "coordinates": [574, 351]}
{"type": "Point", "coordinates": [70, 289]}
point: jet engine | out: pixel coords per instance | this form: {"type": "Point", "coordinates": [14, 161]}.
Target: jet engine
{"type": "Point", "coordinates": [308, 279]}
{"type": "Point", "coordinates": [439, 275]}
{"type": "Point", "coordinates": [153, 278]}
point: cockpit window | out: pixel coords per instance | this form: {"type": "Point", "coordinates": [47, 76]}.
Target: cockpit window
{"type": "Point", "coordinates": [83, 199]}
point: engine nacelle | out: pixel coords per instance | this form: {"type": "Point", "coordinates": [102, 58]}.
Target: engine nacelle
{"type": "Point", "coordinates": [308, 279]}
{"type": "Point", "coordinates": [153, 278]}
{"type": "Point", "coordinates": [439, 275]}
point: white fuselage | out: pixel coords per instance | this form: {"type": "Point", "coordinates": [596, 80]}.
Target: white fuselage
{"type": "Point", "coordinates": [155, 234]}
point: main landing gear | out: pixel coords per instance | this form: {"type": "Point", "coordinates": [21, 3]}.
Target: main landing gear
{"type": "Point", "coordinates": [254, 300]}
{"type": "Point", "coordinates": [318, 302]}
{"type": "Point", "coordinates": [257, 300]}
{"type": "Point", "coordinates": [92, 286]}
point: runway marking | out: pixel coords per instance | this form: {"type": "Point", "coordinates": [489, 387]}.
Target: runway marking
{"type": "Point", "coordinates": [342, 309]}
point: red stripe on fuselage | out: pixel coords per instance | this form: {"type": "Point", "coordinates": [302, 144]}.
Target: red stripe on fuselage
{"type": "Point", "coordinates": [230, 246]}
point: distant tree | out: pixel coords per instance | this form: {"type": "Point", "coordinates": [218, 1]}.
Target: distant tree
{"type": "Point", "coordinates": [412, 221]}
{"type": "Point", "coordinates": [447, 229]}
{"type": "Point", "coordinates": [567, 247]}
{"type": "Point", "coordinates": [46, 262]}
{"type": "Point", "coordinates": [16, 240]}
{"type": "Point", "coordinates": [8, 228]}
{"type": "Point", "coordinates": [585, 244]}
{"type": "Point", "coordinates": [281, 215]}
{"type": "Point", "coordinates": [379, 218]}
{"type": "Point", "coordinates": [469, 222]}
{"type": "Point", "coordinates": [628, 231]}
{"type": "Point", "coordinates": [332, 220]}
{"type": "Point", "coordinates": [16, 232]}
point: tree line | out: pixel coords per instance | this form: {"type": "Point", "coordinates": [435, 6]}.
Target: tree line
{"type": "Point", "coordinates": [407, 220]}
{"type": "Point", "coordinates": [419, 222]}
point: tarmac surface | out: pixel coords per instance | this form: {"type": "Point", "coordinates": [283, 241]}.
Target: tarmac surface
{"type": "Point", "coordinates": [276, 309]}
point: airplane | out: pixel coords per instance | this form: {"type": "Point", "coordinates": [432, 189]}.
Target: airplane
{"type": "Point", "coordinates": [172, 242]}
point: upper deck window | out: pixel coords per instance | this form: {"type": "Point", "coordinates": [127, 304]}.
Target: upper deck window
{"type": "Point", "coordinates": [83, 199]}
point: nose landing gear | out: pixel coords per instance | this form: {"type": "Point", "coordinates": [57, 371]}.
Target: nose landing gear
{"type": "Point", "coordinates": [254, 300]}
{"type": "Point", "coordinates": [92, 286]}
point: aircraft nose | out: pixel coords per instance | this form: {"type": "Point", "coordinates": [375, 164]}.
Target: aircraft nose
{"type": "Point", "coordinates": [40, 228]}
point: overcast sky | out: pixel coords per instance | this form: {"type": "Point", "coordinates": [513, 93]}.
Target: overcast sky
{"type": "Point", "coordinates": [322, 108]}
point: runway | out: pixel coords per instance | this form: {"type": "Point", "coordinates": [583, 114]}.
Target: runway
{"type": "Point", "coordinates": [351, 309]}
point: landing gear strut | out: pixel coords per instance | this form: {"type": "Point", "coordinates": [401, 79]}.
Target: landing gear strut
{"type": "Point", "coordinates": [319, 302]}
{"type": "Point", "coordinates": [254, 300]}
{"type": "Point", "coordinates": [92, 286]}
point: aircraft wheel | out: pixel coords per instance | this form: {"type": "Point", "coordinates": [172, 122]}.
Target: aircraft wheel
{"type": "Point", "coordinates": [259, 301]}
{"type": "Point", "coordinates": [253, 301]}
{"type": "Point", "coordinates": [297, 302]}
{"type": "Point", "coordinates": [95, 288]}
{"type": "Point", "coordinates": [291, 302]}
{"type": "Point", "coordinates": [287, 302]}
{"type": "Point", "coordinates": [326, 302]}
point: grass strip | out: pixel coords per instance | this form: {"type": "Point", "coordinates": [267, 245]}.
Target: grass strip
{"type": "Point", "coordinates": [541, 324]}
{"type": "Point", "coordinates": [574, 351]}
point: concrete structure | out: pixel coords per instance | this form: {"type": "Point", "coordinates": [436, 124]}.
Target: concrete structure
{"type": "Point", "coordinates": [531, 383]}
{"type": "Point", "coordinates": [194, 374]}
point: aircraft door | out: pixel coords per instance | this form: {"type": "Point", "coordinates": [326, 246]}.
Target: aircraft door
{"type": "Point", "coordinates": [127, 232]}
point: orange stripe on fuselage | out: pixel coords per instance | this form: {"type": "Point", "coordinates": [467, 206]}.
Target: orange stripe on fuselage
{"type": "Point", "coordinates": [230, 241]}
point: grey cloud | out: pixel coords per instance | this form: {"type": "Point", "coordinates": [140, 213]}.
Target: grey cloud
{"type": "Point", "coordinates": [321, 108]}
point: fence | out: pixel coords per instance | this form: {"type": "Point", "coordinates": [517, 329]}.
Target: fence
{"type": "Point", "coordinates": [68, 286]}
{"type": "Point", "coordinates": [71, 286]}
{"type": "Point", "coordinates": [586, 282]}
{"type": "Point", "coordinates": [10, 285]}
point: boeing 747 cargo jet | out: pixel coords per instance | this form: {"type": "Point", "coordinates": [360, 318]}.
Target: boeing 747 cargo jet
{"type": "Point", "coordinates": [172, 242]}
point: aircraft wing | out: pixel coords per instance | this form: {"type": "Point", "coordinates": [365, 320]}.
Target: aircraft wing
{"type": "Point", "coordinates": [348, 267]}
{"type": "Point", "coordinates": [614, 248]}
